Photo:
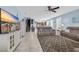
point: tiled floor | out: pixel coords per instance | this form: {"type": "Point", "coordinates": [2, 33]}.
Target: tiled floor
{"type": "Point", "coordinates": [54, 43]}
{"type": "Point", "coordinates": [57, 44]}
{"type": "Point", "coordinates": [29, 44]}
{"type": "Point", "coordinates": [49, 43]}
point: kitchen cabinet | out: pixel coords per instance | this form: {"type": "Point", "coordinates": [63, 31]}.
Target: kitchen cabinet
{"type": "Point", "coordinates": [9, 42]}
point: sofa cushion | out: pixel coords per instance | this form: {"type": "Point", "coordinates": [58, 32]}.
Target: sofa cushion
{"type": "Point", "coordinates": [70, 35]}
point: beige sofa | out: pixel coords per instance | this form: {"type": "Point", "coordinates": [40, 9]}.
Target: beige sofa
{"type": "Point", "coordinates": [72, 36]}
{"type": "Point", "coordinates": [45, 31]}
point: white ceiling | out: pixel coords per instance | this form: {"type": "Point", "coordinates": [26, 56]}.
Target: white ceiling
{"type": "Point", "coordinates": [40, 12]}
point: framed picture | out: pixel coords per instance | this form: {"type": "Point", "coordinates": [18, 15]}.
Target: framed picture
{"type": "Point", "coordinates": [8, 22]}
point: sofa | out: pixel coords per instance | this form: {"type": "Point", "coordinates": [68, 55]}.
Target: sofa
{"type": "Point", "coordinates": [70, 35]}
{"type": "Point", "coordinates": [45, 31]}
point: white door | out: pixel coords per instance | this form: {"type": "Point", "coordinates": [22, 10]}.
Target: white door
{"type": "Point", "coordinates": [58, 25]}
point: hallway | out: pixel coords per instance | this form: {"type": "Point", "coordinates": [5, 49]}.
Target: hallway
{"type": "Point", "coordinates": [29, 44]}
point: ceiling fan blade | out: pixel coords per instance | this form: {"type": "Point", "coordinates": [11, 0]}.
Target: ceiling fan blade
{"type": "Point", "coordinates": [54, 11]}
{"type": "Point", "coordinates": [55, 8]}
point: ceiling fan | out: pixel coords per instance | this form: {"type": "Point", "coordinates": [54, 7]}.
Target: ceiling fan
{"type": "Point", "coordinates": [50, 8]}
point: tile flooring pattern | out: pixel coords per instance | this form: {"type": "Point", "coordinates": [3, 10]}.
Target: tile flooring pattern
{"type": "Point", "coordinates": [50, 43]}
{"type": "Point", "coordinates": [29, 44]}
{"type": "Point", "coordinates": [53, 43]}
{"type": "Point", "coordinates": [57, 44]}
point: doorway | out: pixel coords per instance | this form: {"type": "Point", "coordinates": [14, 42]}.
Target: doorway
{"type": "Point", "coordinates": [28, 25]}
{"type": "Point", "coordinates": [58, 25]}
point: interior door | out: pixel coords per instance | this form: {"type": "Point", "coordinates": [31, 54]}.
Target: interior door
{"type": "Point", "coordinates": [58, 25]}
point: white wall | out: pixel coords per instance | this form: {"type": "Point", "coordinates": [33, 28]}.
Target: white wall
{"type": "Point", "coordinates": [52, 23]}
{"type": "Point", "coordinates": [23, 27]}
{"type": "Point", "coordinates": [4, 42]}
{"type": "Point", "coordinates": [67, 19]}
